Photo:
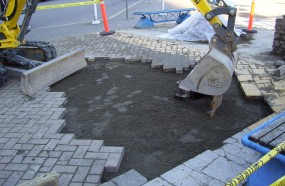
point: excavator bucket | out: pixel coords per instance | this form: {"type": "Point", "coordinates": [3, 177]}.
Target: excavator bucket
{"type": "Point", "coordinates": [42, 76]}
{"type": "Point", "coordinates": [212, 75]}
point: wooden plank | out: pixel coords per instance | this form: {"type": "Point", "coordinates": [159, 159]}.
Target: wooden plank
{"type": "Point", "coordinates": [259, 134]}
{"type": "Point", "coordinates": [272, 135]}
{"type": "Point", "coordinates": [277, 141]}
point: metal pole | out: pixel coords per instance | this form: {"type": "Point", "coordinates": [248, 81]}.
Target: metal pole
{"type": "Point", "coordinates": [127, 10]}
{"type": "Point", "coordinates": [95, 21]}
{"type": "Point", "coordinates": [162, 4]}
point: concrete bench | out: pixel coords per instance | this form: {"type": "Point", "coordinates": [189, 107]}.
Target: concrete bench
{"type": "Point", "coordinates": [263, 139]}
{"type": "Point", "coordinates": [148, 19]}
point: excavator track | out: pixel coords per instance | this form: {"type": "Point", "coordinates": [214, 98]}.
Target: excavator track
{"type": "Point", "coordinates": [37, 50]}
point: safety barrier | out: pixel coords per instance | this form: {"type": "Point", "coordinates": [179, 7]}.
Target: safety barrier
{"type": "Point", "coordinates": [254, 167]}
{"type": "Point", "coordinates": [177, 15]}
{"type": "Point", "coordinates": [102, 6]}
{"type": "Point", "coordinates": [271, 166]}
{"type": "Point", "coordinates": [65, 5]}
{"type": "Point", "coordinates": [250, 22]}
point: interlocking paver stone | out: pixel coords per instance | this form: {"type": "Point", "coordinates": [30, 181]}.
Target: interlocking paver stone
{"type": "Point", "coordinates": [31, 144]}
{"type": "Point", "coordinates": [29, 127]}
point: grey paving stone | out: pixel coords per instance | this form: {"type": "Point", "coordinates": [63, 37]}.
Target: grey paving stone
{"type": "Point", "coordinates": [65, 179]}
{"type": "Point", "coordinates": [81, 162]}
{"type": "Point", "coordinates": [80, 142]}
{"type": "Point", "coordinates": [13, 179]}
{"type": "Point", "coordinates": [80, 174]}
{"type": "Point", "coordinates": [95, 145]}
{"type": "Point", "coordinates": [215, 183]}
{"type": "Point", "coordinates": [36, 150]}
{"type": "Point", "coordinates": [17, 167]}
{"type": "Point", "coordinates": [109, 183]}
{"type": "Point", "coordinates": [113, 162]}
{"type": "Point", "coordinates": [112, 149]}
{"type": "Point", "coordinates": [157, 182]}
{"type": "Point", "coordinates": [66, 156]}
{"type": "Point", "coordinates": [5, 174]}
{"type": "Point", "coordinates": [97, 156]}
{"type": "Point", "coordinates": [130, 178]}
{"type": "Point", "coordinates": [31, 172]}
{"type": "Point", "coordinates": [93, 179]}
{"type": "Point", "coordinates": [185, 176]}
{"type": "Point", "coordinates": [34, 160]}
{"type": "Point", "coordinates": [208, 156]}
{"type": "Point", "coordinates": [80, 152]}
{"type": "Point", "coordinates": [64, 169]}
{"type": "Point", "coordinates": [48, 165]}
{"type": "Point", "coordinates": [66, 139]}
{"type": "Point", "coordinates": [6, 159]}
{"type": "Point", "coordinates": [75, 184]}
{"type": "Point", "coordinates": [222, 169]}
{"type": "Point", "coordinates": [97, 167]}
{"type": "Point", "coordinates": [66, 148]}
{"type": "Point", "coordinates": [51, 144]}
{"type": "Point", "coordinates": [195, 163]}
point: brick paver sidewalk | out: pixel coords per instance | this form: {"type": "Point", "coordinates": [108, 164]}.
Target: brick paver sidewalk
{"type": "Point", "coordinates": [30, 142]}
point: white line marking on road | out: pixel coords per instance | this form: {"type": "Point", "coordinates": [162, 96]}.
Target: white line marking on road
{"type": "Point", "coordinates": [111, 17]}
{"type": "Point", "coordinates": [114, 15]}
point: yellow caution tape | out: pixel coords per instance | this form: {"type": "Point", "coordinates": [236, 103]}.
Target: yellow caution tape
{"type": "Point", "coordinates": [68, 5]}
{"type": "Point", "coordinates": [263, 160]}
{"type": "Point", "coordinates": [280, 182]}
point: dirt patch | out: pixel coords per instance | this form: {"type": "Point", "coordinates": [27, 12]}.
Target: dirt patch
{"type": "Point", "coordinates": [132, 105]}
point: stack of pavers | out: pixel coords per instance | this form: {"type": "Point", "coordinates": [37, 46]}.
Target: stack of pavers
{"type": "Point", "coordinates": [279, 38]}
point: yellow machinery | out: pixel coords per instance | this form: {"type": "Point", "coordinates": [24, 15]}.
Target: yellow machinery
{"type": "Point", "coordinates": [213, 73]}
{"type": "Point", "coordinates": [15, 51]}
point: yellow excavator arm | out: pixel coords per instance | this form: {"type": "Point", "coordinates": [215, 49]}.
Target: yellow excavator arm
{"type": "Point", "coordinates": [9, 29]}
{"type": "Point", "coordinates": [204, 7]}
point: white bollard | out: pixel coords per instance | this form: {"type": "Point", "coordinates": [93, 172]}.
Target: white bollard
{"type": "Point", "coordinates": [162, 4]}
{"type": "Point", "coordinates": [95, 21]}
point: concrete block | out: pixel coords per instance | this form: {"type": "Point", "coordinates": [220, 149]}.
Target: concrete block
{"type": "Point", "coordinates": [40, 77]}
{"type": "Point", "coordinates": [244, 78]}
{"type": "Point", "coordinates": [251, 91]}
{"type": "Point", "coordinates": [113, 162]}
{"type": "Point", "coordinates": [130, 178]}
{"type": "Point", "coordinates": [112, 149]}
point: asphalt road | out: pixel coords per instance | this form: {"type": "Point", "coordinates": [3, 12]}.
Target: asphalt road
{"type": "Point", "coordinates": [57, 23]}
